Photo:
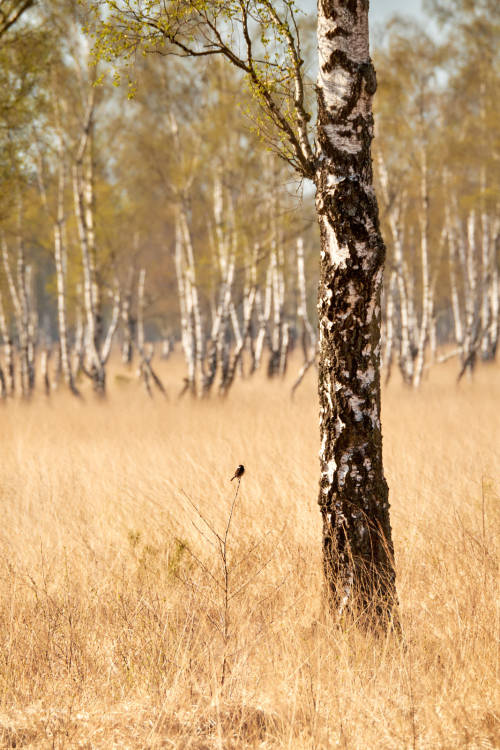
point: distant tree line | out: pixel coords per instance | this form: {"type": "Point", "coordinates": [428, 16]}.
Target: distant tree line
{"type": "Point", "coordinates": [161, 220]}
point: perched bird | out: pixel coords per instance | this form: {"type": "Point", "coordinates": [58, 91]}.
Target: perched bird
{"type": "Point", "coordinates": [239, 472]}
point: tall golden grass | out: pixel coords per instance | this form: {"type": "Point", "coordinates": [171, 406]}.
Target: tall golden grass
{"type": "Point", "coordinates": [116, 619]}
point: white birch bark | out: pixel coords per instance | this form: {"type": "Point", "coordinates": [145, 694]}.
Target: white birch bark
{"type": "Point", "coordinates": [83, 202]}
{"type": "Point", "coordinates": [487, 276]}
{"type": "Point", "coordinates": [264, 315]}
{"type": "Point", "coordinates": [19, 297]}
{"type": "Point", "coordinates": [426, 288]}
{"type": "Point", "coordinates": [92, 365]}
{"type": "Point", "coordinates": [308, 335]}
{"type": "Point", "coordinates": [357, 546]}
{"type": "Point", "coordinates": [89, 207]}
{"type": "Point", "coordinates": [7, 384]}
{"type": "Point", "coordinates": [128, 321]}
{"type": "Point", "coordinates": [78, 347]}
{"type": "Point", "coordinates": [453, 264]}
{"type": "Point", "coordinates": [60, 254]}
{"type": "Point", "coordinates": [23, 328]}
{"type": "Point", "coordinates": [389, 326]}
{"type": "Point", "coordinates": [186, 331]}
{"type": "Point", "coordinates": [113, 325]}
{"type": "Point", "coordinates": [471, 322]}
{"type": "Point", "coordinates": [494, 290]}
{"type": "Point", "coordinates": [276, 337]}
{"type": "Point", "coordinates": [191, 290]}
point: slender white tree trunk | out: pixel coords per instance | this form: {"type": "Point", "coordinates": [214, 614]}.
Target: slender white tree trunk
{"type": "Point", "coordinates": [308, 335]}
{"type": "Point", "coordinates": [187, 333]}
{"type": "Point", "coordinates": [471, 307]}
{"type": "Point", "coordinates": [89, 207]}
{"type": "Point", "coordinates": [128, 321]}
{"type": "Point", "coordinates": [426, 288]}
{"type": "Point", "coordinates": [192, 294]}
{"type": "Point", "coordinates": [453, 264]}
{"type": "Point", "coordinates": [93, 364]}
{"type": "Point", "coordinates": [264, 315]}
{"type": "Point", "coordinates": [7, 384]}
{"type": "Point", "coordinates": [78, 347]}
{"type": "Point", "coordinates": [389, 326]}
{"type": "Point", "coordinates": [276, 338]}
{"type": "Point", "coordinates": [59, 257]}
{"type": "Point", "coordinates": [19, 298]}
{"type": "Point", "coordinates": [113, 324]}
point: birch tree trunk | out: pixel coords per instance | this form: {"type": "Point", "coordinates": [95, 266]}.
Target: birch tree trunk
{"type": "Point", "coordinates": [7, 379]}
{"type": "Point", "coordinates": [452, 270]}
{"type": "Point", "coordinates": [27, 367]}
{"type": "Point", "coordinates": [357, 543]}
{"type": "Point", "coordinates": [93, 365]}
{"type": "Point", "coordinates": [489, 291]}
{"type": "Point", "coordinates": [19, 301]}
{"type": "Point", "coordinates": [84, 204]}
{"type": "Point", "coordinates": [264, 314]}
{"type": "Point", "coordinates": [78, 352]}
{"type": "Point", "coordinates": [192, 294]}
{"type": "Point", "coordinates": [389, 327]}
{"type": "Point", "coordinates": [59, 257]}
{"type": "Point", "coordinates": [3, 386]}
{"type": "Point", "coordinates": [495, 303]}
{"type": "Point", "coordinates": [89, 204]}
{"type": "Point", "coordinates": [274, 359]}
{"type": "Point", "coordinates": [113, 324]}
{"type": "Point", "coordinates": [426, 289]}
{"type": "Point", "coordinates": [187, 333]}
{"type": "Point", "coordinates": [471, 307]}
{"type": "Point", "coordinates": [128, 321]}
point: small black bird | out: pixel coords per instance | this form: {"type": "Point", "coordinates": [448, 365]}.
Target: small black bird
{"type": "Point", "coordinates": [239, 472]}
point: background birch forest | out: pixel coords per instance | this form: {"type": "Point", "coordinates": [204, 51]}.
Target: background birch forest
{"type": "Point", "coordinates": [154, 250]}
{"type": "Point", "coordinates": [165, 222]}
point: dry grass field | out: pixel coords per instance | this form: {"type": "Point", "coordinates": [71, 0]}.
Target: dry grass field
{"type": "Point", "coordinates": [116, 622]}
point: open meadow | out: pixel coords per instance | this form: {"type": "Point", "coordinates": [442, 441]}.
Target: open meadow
{"type": "Point", "coordinates": [120, 626]}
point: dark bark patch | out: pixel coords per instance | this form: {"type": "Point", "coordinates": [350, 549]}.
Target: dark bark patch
{"type": "Point", "coordinates": [328, 7]}
{"type": "Point", "coordinates": [338, 31]}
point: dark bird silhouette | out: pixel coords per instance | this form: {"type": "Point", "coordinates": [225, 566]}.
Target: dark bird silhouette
{"type": "Point", "coordinates": [239, 472]}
